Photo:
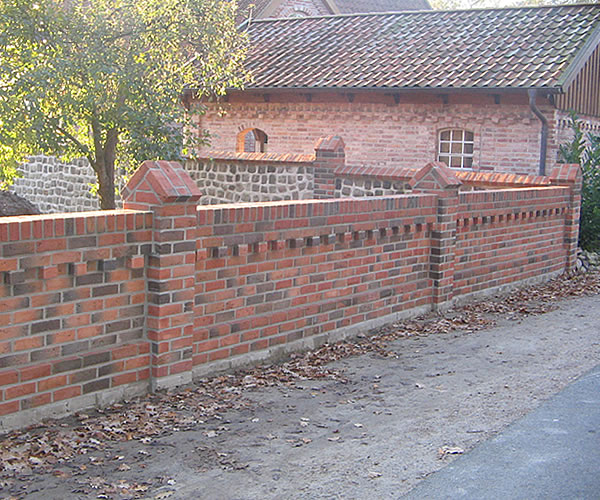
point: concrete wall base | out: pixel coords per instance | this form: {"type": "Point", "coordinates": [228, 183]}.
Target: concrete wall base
{"type": "Point", "coordinates": [280, 352]}
{"type": "Point", "coordinates": [171, 381]}
{"type": "Point", "coordinates": [502, 289]}
{"type": "Point", "coordinates": [59, 409]}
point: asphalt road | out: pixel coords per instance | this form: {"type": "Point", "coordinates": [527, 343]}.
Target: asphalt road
{"type": "Point", "coordinates": [552, 453]}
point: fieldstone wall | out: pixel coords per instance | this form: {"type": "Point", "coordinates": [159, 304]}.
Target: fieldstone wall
{"type": "Point", "coordinates": [57, 187]}
{"type": "Point", "coordinates": [234, 181]}
{"type": "Point", "coordinates": [358, 187]}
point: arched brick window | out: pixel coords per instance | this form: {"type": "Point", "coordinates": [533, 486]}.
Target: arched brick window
{"type": "Point", "coordinates": [252, 140]}
{"type": "Point", "coordinates": [455, 147]}
{"type": "Point", "coordinates": [299, 13]}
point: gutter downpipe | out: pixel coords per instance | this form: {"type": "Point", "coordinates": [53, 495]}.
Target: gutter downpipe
{"type": "Point", "coordinates": [544, 141]}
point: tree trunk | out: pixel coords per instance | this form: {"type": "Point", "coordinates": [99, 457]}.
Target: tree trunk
{"type": "Point", "coordinates": [104, 165]}
{"type": "Point", "coordinates": [106, 189]}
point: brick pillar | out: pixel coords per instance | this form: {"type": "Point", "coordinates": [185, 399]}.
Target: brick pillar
{"type": "Point", "coordinates": [437, 178]}
{"type": "Point", "coordinates": [167, 190]}
{"type": "Point", "coordinates": [570, 176]}
{"type": "Point", "coordinates": [329, 155]}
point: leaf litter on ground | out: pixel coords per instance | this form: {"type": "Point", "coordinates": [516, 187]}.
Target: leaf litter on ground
{"type": "Point", "coordinates": [47, 447]}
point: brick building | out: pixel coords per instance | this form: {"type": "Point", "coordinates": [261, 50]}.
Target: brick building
{"type": "Point", "coordinates": [476, 89]}
{"type": "Point", "coordinates": [260, 9]}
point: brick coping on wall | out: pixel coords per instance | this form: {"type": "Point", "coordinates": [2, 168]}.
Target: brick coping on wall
{"type": "Point", "coordinates": [258, 157]}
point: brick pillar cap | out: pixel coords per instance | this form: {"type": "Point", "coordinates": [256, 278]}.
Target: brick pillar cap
{"type": "Point", "coordinates": [567, 172]}
{"type": "Point", "coordinates": [158, 182]}
{"type": "Point", "coordinates": [440, 173]}
{"type": "Point", "coordinates": [330, 143]}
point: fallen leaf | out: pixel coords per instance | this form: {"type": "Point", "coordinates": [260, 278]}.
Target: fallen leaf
{"type": "Point", "coordinates": [449, 450]}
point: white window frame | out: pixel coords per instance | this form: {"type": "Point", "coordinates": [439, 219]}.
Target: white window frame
{"type": "Point", "coordinates": [456, 147]}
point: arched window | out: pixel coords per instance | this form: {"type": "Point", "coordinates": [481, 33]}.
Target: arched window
{"type": "Point", "coordinates": [455, 148]}
{"type": "Point", "coordinates": [299, 13]}
{"type": "Point", "coordinates": [252, 140]}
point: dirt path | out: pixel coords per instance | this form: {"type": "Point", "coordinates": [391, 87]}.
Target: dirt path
{"type": "Point", "coordinates": [400, 413]}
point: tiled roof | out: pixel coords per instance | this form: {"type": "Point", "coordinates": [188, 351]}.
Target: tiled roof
{"type": "Point", "coordinates": [354, 6]}
{"type": "Point", "coordinates": [493, 48]}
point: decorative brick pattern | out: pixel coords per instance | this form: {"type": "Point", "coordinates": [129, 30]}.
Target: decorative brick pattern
{"type": "Point", "coordinates": [71, 306]}
{"type": "Point", "coordinates": [509, 235]}
{"type": "Point", "coordinates": [144, 297]}
{"type": "Point", "coordinates": [277, 272]}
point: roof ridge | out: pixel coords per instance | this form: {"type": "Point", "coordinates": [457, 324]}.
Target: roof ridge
{"type": "Point", "coordinates": [430, 12]}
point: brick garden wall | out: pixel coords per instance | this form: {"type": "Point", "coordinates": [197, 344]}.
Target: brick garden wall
{"type": "Point", "coordinates": [277, 273]}
{"type": "Point", "coordinates": [100, 306]}
{"type": "Point", "coordinates": [503, 236]}
{"type": "Point", "coordinates": [72, 306]}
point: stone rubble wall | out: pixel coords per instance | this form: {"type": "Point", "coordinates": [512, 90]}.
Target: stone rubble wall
{"type": "Point", "coordinates": [57, 187]}
{"type": "Point", "coordinates": [357, 187]}
{"type": "Point", "coordinates": [234, 181]}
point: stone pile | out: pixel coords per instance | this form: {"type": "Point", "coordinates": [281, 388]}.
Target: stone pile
{"type": "Point", "coordinates": [586, 261]}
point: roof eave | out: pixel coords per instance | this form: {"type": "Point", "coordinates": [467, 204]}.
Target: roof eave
{"type": "Point", "coordinates": [581, 57]}
{"type": "Point", "coordinates": [547, 90]}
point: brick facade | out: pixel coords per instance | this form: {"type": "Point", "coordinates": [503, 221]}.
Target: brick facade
{"type": "Point", "coordinates": [100, 306]}
{"type": "Point", "coordinates": [378, 131]}
{"type": "Point", "coordinates": [300, 8]}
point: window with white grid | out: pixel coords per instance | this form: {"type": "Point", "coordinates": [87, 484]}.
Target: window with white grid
{"type": "Point", "coordinates": [455, 148]}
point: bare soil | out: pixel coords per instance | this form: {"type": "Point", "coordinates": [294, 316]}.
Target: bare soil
{"type": "Point", "coordinates": [363, 419]}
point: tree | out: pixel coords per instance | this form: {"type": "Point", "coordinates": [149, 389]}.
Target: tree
{"type": "Point", "coordinates": [586, 152]}
{"type": "Point", "coordinates": [103, 79]}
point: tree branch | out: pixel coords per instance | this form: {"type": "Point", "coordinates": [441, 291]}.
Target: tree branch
{"type": "Point", "coordinates": [82, 147]}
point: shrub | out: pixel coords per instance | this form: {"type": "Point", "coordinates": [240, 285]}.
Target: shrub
{"type": "Point", "coordinates": [587, 154]}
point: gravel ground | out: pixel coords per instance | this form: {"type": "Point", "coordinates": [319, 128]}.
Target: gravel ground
{"type": "Point", "coordinates": [365, 426]}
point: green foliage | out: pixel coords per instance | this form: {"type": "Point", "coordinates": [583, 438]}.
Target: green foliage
{"type": "Point", "coordinates": [103, 79]}
{"type": "Point", "coordinates": [587, 154]}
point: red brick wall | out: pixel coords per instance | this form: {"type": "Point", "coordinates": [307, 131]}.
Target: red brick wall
{"type": "Point", "coordinates": [292, 8]}
{"type": "Point", "coordinates": [280, 272]}
{"type": "Point", "coordinates": [505, 236]}
{"type": "Point", "coordinates": [379, 132]}
{"type": "Point", "coordinates": [72, 304]}
{"type": "Point", "coordinates": [102, 305]}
